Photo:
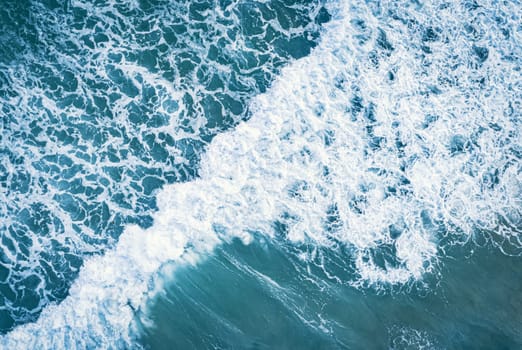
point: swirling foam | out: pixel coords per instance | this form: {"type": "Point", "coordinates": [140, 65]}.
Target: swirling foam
{"type": "Point", "coordinates": [401, 130]}
{"type": "Point", "coordinates": [102, 104]}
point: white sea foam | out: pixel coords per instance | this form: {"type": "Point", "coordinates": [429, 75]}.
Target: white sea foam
{"type": "Point", "coordinates": [409, 338]}
{"type": "Point", "coordinates": [107, 105]}
{"type": "Point", "coordinates": [357, 144]}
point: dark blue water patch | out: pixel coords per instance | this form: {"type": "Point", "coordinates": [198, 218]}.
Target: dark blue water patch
{"type": "Point", "coordinates": [481, 53]}
{"type": "Point", "coordinates": [262, 296]}
{"type": "Point", "coordinates": [87, 143]}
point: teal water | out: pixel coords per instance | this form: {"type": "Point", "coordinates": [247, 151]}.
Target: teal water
{"type": "Point", "coordinates": [262, 296]}
{"type": "Point", "coordinates": [258, 174]}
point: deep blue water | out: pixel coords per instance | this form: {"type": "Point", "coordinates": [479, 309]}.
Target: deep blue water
{"type": "Point", "coordinates": [260, 174]}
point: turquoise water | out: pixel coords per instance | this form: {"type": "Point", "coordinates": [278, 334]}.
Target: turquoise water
{"type": "Point", "coordinates": [261, 296]}
{"type": "Point", "coordinates": [260, 174]}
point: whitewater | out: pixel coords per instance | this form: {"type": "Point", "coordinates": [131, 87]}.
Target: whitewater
{"type": "Point", "coordinates": [395, 152]}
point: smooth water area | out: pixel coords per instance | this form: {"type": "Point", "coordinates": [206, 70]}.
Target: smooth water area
{"type": "Point", "coordinates": [262, 296]}
{"type": "Point", "coordinates": [260, 174]}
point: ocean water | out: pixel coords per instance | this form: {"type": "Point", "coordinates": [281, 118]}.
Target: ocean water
{"type": "Point", "coordinates": [261, 174]}
{"type": "Point", "coordinates": [104, 103]}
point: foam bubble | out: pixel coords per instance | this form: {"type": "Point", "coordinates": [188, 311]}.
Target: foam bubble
{"type": "Point", "coordinates": [410, 338]}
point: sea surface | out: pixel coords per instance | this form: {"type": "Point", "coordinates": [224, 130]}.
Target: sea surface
{"type": "Point", "coordinates": [260, 174]}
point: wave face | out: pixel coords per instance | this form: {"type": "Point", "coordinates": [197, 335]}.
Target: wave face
{"type": "Point", "coordinates": [102, 104]}
{"type": "Point", "coordinates": [396, 139]}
